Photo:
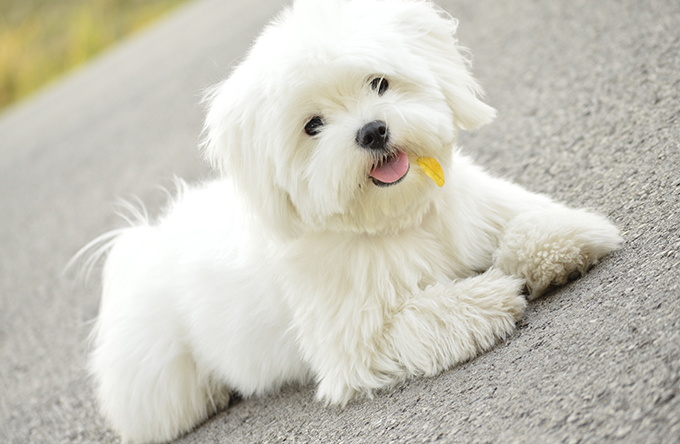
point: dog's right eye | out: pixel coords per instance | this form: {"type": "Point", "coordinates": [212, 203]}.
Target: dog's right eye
{"type": "Point", "coordinates": [313, 127]}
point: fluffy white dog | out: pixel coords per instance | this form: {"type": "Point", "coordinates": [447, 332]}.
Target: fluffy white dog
{"type": "Point", "coordinates": [326, 252]}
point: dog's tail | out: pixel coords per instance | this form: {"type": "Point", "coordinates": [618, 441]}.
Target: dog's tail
{"type": "Point", "coordinates": [85, 259]}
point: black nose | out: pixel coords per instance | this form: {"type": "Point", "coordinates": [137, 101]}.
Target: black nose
{"type": "Point", "coordinates": [373, 135]}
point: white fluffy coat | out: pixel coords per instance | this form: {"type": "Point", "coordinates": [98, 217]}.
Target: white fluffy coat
{"type": "Point", "coordinates": [296, 266]}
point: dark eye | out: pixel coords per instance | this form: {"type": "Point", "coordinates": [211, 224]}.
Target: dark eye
{"type": "Point", "coordinates": [313, 127]}
{"type": "Point", "coordinates": [379, 84]}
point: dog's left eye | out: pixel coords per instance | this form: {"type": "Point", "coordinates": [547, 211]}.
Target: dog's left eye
{"type": "Point", "coordinates": [313, 127]}
{"type": "Point", "coordinates": [379, 84]}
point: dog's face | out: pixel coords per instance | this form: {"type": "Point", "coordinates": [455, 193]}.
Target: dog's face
{"type": "Point", "coordinates": [322, 124]}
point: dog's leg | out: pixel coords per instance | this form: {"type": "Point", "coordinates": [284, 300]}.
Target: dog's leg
{"type": "Point", "coordinates": [148, 385]}
{"type": "Point", "coordinates": [553, 245]}
{"type": "Point", "coordinates": [451, 323]}
{"type": "Point", "coordinates": [444, 325]}
{"type": "Point", "coordinates": [535, 238]}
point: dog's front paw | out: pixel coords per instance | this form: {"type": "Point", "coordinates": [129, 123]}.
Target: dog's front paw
{"type": "Point", "coordinates": [549, 247]}
{"type": "Point", "coordinates": [498, 294]}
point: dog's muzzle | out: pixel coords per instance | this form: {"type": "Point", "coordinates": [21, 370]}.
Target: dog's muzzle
{"type": "Point", "coordinates": [390, 165]}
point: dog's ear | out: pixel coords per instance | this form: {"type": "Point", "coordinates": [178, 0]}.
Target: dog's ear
{"type": "Point", "coordinates": [237, 142]}
{"type": "Point", "coordinates": [433, 32]}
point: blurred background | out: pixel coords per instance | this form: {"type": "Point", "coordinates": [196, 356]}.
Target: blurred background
{"type": "Point", "coordinates": [42, 39]}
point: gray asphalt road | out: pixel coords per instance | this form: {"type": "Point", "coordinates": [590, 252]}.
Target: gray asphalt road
{"type": "Point", "coordinates": [588, 94]}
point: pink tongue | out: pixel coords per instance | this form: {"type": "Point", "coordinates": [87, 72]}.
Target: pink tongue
{"type": "Point", "coordinates": [392, 171]}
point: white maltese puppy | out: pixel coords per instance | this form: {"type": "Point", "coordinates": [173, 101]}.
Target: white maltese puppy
{"type": "Point", "coordinates": [349, 242]}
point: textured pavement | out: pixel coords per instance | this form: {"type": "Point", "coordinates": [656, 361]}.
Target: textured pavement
{"type": "Point", "coordinates": [588, 99]}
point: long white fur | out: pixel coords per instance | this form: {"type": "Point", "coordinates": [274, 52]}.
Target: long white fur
{"type": "Point", "coordinates": [295, 266]}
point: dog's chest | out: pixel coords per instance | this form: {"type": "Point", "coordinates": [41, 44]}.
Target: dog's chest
{"type": "Point", "coordinates": [391, 267]}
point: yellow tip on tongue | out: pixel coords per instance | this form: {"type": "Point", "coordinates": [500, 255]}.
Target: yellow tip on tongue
{"type": "Point", "coordinates": [432, 168]}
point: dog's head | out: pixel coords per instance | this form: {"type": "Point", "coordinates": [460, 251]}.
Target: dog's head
{"type": "Point", "coordinates": [321, 125]}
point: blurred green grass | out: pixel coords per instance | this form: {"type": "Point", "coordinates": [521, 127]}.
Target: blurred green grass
{"type": "Point", "coordinates": [42, 39]}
